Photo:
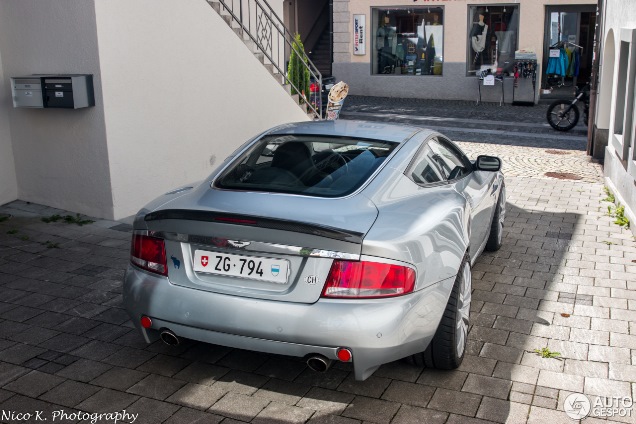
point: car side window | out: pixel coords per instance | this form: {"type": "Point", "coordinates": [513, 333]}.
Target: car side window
{"type": "Point", "coordinates": [450, 161]}
{"type": "Point", "coordinates": [423, 170]}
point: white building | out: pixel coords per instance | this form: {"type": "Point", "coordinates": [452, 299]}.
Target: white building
{"type": "Point", "coordinates": [176, 91]}
{"type": "Point", "coordinates": [616, 106]}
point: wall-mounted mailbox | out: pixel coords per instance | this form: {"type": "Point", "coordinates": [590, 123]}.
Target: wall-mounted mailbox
{"type": "Point", "coordinates": [53, 91]}
{"type": "Point", "coordinates": [27, 92]}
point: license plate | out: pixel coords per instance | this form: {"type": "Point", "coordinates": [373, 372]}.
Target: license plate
{"type": "Point", "coordinates": [261, 269]}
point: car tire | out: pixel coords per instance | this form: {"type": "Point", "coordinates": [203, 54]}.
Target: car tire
{"type": "Point", "coordinates": [495, 238]}
{"type": "Point", "coordinates": [446, 349]}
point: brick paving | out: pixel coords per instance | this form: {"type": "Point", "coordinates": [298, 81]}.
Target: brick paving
{"type": "Point", "coordinates": [565, 279]}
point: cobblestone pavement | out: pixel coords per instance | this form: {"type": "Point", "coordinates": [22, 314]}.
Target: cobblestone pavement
{"type": "Point", "coordinates": [461, 120]}
{"type": "Point", "coordinates": [565, 279]}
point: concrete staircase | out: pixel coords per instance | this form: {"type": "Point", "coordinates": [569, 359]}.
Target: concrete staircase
{"type": "Point", "coordinates": [262, 58]}
{"type": "Point", "coordinates": [321, 54]}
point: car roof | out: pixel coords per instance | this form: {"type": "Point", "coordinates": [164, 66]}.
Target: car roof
{"type": "Point", "coordinates": [355, 129]}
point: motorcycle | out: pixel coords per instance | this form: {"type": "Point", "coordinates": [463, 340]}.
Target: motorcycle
{"type": "Point", "coordinates": [563, 115]}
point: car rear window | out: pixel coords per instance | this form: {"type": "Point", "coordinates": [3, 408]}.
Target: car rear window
{"type": "Point", "coordinates": [308, 165]}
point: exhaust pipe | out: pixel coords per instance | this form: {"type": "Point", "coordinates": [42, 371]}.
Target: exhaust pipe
{"type": "Point", "coordinates": [169, 338]}
{"type": "Point", "coordinates": [319, 363]}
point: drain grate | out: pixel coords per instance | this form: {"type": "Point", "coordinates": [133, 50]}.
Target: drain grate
{"type": "Point", "coordinates": [557, 152]}
{"type": "Point", "coordinates": [563, 176]}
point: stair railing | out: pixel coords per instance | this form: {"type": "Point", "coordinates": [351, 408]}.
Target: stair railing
{"type": "Point", "coordinates": [264, 27]}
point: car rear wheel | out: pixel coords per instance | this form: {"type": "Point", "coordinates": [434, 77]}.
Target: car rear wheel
{"type": "Point", "coordinates": [446, 350]}
{"type": "Point", "coordinates": [495, 239]}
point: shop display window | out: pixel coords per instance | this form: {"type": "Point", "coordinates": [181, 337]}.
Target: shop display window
{"type": "Point", "coordinates": [493, 38]}
{"type": "Point", "coordinates": [407, 41]}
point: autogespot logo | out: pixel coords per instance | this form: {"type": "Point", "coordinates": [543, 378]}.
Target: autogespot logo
{"type": "Point", "coordinates": [577, 406]}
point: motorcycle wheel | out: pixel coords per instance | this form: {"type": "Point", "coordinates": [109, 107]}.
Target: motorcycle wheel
{"type": "Point", "coordinates": [562, 116]}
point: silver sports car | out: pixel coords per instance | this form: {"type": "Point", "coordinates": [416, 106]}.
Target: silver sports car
{"type": "Point", "coordinates": [332, 241]}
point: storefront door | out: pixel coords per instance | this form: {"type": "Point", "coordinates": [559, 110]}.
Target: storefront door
{"type": "Point", "coordinates": [567, 48]}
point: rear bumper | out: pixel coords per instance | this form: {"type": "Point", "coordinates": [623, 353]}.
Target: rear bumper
{"type": "Point", "coordinates": [376, 330]}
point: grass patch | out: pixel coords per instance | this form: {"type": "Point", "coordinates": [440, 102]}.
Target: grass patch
{"type": "Point", "coordinates": [24, 238]}
{"type": "Point", "coordinates": [607, 242]}
{"type": "Point", "coordinates": [12, 232]}
{"type": "Point", "coordinates": [621, 219]}
{"type": "Point", "coordinates": [609, 196]}
{"type": "Point", "coordinates": [51, 245]}
{"type": "Point", "coordinates": [69, 219]}
{"type": "Point", "coordinates": [544, 352]}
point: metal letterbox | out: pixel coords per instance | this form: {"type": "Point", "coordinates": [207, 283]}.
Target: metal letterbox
{"type": "Point", "coordinates": [27, 92]}
{"type": "Point", "coordinates": [68, 91]}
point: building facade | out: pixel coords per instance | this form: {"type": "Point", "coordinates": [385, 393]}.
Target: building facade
{"type": "Point", "coordinates": [615, 122]}
{"type": "Point", "coordinates": [440, 48]}
{"type": "Point", "coordinates": [176, 92]}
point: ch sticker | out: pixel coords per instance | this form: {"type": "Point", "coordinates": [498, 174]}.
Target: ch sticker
{"type": "Point", "coordinates": [311, 279]}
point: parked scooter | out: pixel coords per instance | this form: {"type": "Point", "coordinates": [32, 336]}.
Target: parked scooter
{"type": "Point", "coordinates": [563, 115]}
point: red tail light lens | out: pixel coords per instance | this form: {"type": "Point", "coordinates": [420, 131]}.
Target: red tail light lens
{"type": "Point", "coordinates": [149, 253]}
{"type": "Point", "coordinates": [348, 279]}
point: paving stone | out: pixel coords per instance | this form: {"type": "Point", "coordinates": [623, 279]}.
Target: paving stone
{"type": "Point", "coordinates": [561, 381]}
{"type": "Point", "coordinates": [156, 387]}
{"type": "Point", "coordinates": [64, 342]}
{"type": "Point", "coordinates": [488, 335]}
{"type": "Point", "coordinates": [77, 326]}
{"type": "Point", "coordinates": [107, 400]}
{"type": "Point", "coordinates": [34, 335]}
{"type": "Point", "coordinates": [96, 350]}
{"type": "Point", "coordinates": [275, 413]}
{"type": "Point", "coordinates": [475, 364]}
{"type": "Point", "coordinates": [623, 340]}
{"type": "Point", "coordinates": [129, 358]}
{"type": "Point", "coordinates": [609, 354]}
{"type": "Point", "coordinates": [282, 391]}
{"type": "Point", "coordinates": [241, 382]}
{"type": "Point", "coordinates": [515, 325]}
{"type": "Point", "coordinates": [455, 402]}
{"type": "Point", "coordinates": [376, 410]}
{"type": "Point", "coordinates": [501, 353]}
{"type": "Point", "coordinates": [20, 313]}
{"type": "Point", "coordinates": [192, 416]}
{"type": "Point", "coordinates": [150, 411]}
{"type": "Point", "coordinates": [119, 378]}
{"type": "Point", "coordinates": [502, 411]}
{"type": "Point", "coordinates": [84, 370]}
{"type": "Point", "coordinates": [371, 387]}
{"type": "Point", "coordinates": [514, 372]}
{"type": "Point", "coordinates": [240, 407]}
{"type": "Point", "coordinates": [20, 353]}
{"type": "Point", "coordinates": [243, 360]}
{"type": "Point", "coordinates": [197, 396]}
{"type": "Point", "coordinates": [202, 373]}
{"type": "Point", "coordinates": [587, 368]}
{"type": "Point", "coordinates": [34, 384]}
{"type": "Point", "coordinates": [544, 402]}
{"type": "Point", "coordinates": [448, 380]}
{"type": "Point", "coordinates": [106, 332]}
{"type": "Point", "coordinates": [10, 372]}
{"type": "Point", "coordinates": [69, 393]}
{"type": "Point", "coordinates": [399, 370]}
{"type": "Point", "coordinates": [326, 401]}
{"type": "Point", "coordinates": [164, 365]}
{"type": "Point", "coordinates": [490, 386]}
{"type": "Point", "coordinates": [461, 419]}
{"type": "Point", "coordinates": [415, 415]}
{"type": "Point", "coordinates": [533, 360]}
{"type": "Point", "coordinates": [570, 350]}
{"type": "Point", "coordinates": [606, 387]}
{"type": "Point", "coordinates": [409, 393]}
{"type": "Point", "coordinates": [282, 368]}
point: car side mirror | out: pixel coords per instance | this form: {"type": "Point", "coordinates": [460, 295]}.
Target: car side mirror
{"type": "Point", "coordinates": [488, 163]}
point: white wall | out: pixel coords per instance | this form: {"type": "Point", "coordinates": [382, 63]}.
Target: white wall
{"type": "Point", "coordinates": [8, 182]}
{"type": "Point", "coordinates": [620, 172]}
{"type": "Point", "coordinates": [61, 158]}
{"type": "Point", "coordinates": [181, 92]}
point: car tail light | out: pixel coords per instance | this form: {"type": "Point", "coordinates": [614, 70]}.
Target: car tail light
{"type": "Point", "coordinates": [149, 253]}
{"type": "Point", "coordinates": [348, 279]}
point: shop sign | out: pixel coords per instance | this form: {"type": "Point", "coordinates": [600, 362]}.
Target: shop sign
{"type": "Point", "coordinates": [359, 29]}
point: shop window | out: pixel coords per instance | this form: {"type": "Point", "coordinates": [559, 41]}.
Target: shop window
{"type": "Point", "coordinates": [407, 41]}
{"type": "Point", "coordinates": [493, 37]}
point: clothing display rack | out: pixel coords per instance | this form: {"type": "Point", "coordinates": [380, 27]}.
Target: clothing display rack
{"type": "Point", "coordinates": [525, 70]}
